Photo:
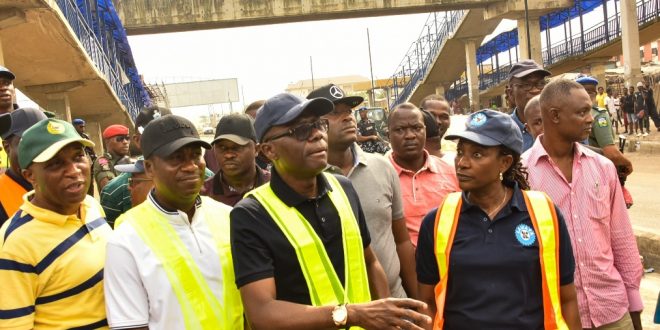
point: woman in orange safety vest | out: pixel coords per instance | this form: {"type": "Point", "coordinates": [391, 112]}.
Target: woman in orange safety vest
{"type": "Point", "coordinates": [495, 256]}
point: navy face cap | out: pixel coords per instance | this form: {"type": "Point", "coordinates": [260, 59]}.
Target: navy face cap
{"type": "Point", "coordinates": [18, 121]}
{"type": "Point", "coordinates": [284, 108]}
{"type": "Point", "coordinates": [526, 67]}
{"type": "Point", "coordinates": [4, 72]}
{"type": "Point", "coordinates": [491, 128]}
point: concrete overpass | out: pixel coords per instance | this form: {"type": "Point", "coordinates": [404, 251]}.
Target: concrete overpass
{"type": "Point", "coordinates": [149, 16]}
{"type": "Point", "coordinates": [60, 64]}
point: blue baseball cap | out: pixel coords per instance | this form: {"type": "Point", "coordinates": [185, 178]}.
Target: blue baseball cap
{"type": "Point", "coordinates": [491, 128]}
{"type": "Point", "coordinates": [586, 80]}
{"type": "Point", "coordinates": [78, 121]}
{"type": "Point", "coordinates": [284, 108]}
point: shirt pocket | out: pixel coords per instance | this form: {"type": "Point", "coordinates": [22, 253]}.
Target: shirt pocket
{"type": "Point", "coordinates": [599, 202]}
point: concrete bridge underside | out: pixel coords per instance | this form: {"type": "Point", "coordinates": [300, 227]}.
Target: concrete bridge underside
{"type": "Point", "coordinates": [148, 16]}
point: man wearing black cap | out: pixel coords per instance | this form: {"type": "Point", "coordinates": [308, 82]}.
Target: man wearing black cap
{"type": "Point", "coordinates": [526, 79]}
{"type": "Point", "coordinates": [235, 149]}
{"type": "Point", "coordinates": [169, 263]}
{"type": "Point", "coordinates": [301, 240]}
{"type": "Point", "coordinates": [12, 184]}
{"type": "Point", "coordinates": [7, 93]}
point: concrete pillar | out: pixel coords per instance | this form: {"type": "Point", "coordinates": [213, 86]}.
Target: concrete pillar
{"type": "Point", "coordinates": [472, 72]}
{"type": "Point", "coordinates": [440, 90]}
{"type": "Point", "coordinates": [94, 131]}
{"type": "Point", "coordinates": [534, 38]}
{"type": "Point", "coordinates": [59, 104]}
{"type": "Point", "coordinates": [598, 71]}
{"type": "Point", "coordinates": [2, 54]}
{"type": "Point", "coordinates": [632, 67]}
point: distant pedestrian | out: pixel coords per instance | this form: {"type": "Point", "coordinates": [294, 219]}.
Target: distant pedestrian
{"type": "Point", "coordinates": [641, 110]}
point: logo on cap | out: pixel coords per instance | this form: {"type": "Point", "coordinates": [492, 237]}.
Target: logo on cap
{"type": "Point", "coordinates": [55, 128]}
{"type": "Point", "coordinates": [336, 92]}
{"type": "Point", "coordinates": [156, 114]}
{"type": "Point", "coordinates": [477, 120]}
{"type": "Point", "coordinates": [525, 234]}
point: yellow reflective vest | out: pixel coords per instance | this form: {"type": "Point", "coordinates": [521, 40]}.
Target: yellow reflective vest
{"type": "Point", "coordinates": [200, 308]}
{"type": "Point", "coordinates": [322, 280]}
{"type": "Point", "coordinates": [546, 226]}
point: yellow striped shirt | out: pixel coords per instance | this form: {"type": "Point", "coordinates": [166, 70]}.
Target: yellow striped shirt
{"type": "Point", "coordinates": [51, 268]}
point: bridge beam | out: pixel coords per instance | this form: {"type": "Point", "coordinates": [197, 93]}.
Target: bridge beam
{"type": "Point", "coordinates": [632, 66]}
{"type": "Point", "coordinates": [472, 71]}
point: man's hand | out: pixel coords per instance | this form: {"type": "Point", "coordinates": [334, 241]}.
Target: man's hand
{"type": "Point", "coordinates": [636, 320]}
{"type": "Point", "coordinates": [390, 313]}
{"type": "Point", "coordinates": [375, 138]}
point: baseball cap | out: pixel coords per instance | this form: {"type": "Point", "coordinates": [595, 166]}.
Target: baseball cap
{"type": "Point", "coordinates": [586, 80]}
{"type": "Point", "coordinates": [335, 94]}
{"type": "Point", "coordinates": [237, 128]}
{"type": "Point", "coordinates": [78, 121]}
{"type": "Point", "coordinates": [526, 67]}
{"type": "Point", "coordinates": [491, 128]}
{"type": "Point", "coordinates": [6, 73]}
{"type": "Point", "coordinates": [640, 84]}
{"type": "Point", "coordinates": [432, 129]}
{"type": "Point", "coordinates": [146, 115]}
{"type": "Point", "coordinates": [17, 121]}
{"type": "Point", "coordinates": [45, 139]}
{"type": "Point", "coordinates": [284, 108]}
{"type": "Point", "coordinates": [165, 135]}
{"type": "Point", "coordinates": [114, 130]}
{"type": "Point", "coordinates": [137, 167]}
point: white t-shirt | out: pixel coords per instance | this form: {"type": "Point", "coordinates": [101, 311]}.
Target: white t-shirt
{"type": "Point", "coordinates": [137, 290]}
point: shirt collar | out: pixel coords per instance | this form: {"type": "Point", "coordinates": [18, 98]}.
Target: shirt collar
{"type": "Point", "coordinates": [53, 217]}
{"type": "Point", "coordinates": [219, 185]}
{"type": "Point", "coordinates": [537, 151]}
{"type": "Point", "coordinates": [164, 209]}
{"type": "Point", "coordinates": [289, 196]}
{"type": "Point", "coordinates": [428, 165]}
{"type": "Point", "coordinates": [517, 201]}
{"type": "Point", "coordinates": [359, 159]}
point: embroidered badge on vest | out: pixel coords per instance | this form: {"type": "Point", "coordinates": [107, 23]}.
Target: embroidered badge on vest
{"type": "Point", "coordinates": [525, 234]}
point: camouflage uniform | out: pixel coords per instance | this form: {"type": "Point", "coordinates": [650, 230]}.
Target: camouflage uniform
{"type": "Point", "coordinates": [601, 129]}
{"type": "Point", "coordinates": [104, 166]}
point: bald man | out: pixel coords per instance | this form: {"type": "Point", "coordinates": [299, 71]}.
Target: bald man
{"type": "Point", "coordinates": [534, 124]}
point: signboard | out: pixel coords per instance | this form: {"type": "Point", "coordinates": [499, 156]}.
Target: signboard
{"type": "Point", "coordinates": [202, 92]}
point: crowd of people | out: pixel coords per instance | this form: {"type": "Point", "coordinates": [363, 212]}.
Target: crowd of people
{"type": "Point", "coordinates": [285, 221]}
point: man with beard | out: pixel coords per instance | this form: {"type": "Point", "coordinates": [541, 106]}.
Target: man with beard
{"type": "Point", "coordinates": [425, 180]}
{"type": "Point", "coordinates": [235, 149]}
{"type": "Point", "coordinates": [52, 251]}
{"type": "Point", "coordinates": [169, 263]}
{"type": "Point", "coordinates": [117, 142]}
{"type": "Point", "coordinates": [301, 247]}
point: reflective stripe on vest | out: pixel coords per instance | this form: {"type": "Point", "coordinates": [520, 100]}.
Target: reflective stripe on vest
{"type": "Point", "coordinates": [11, 194]}
{"type": "Point", "coordinates": [200, 308]}
{"type": "Point", "coordinates": [544, 220]}
{"type": "Point", "coordinates": [322, 280]}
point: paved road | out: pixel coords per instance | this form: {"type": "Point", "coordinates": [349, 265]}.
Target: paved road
{"type": "Point", "coordinates": [650, 288]}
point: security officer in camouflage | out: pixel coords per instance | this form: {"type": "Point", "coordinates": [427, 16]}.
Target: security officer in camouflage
{"type": "Point", "coordinates": [117, 142]}
{"type": "Point", "coordinates": [602, 135]}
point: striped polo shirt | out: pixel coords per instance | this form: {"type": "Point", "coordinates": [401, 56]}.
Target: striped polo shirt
{"type": "Point", "coordinates": [51, 268]}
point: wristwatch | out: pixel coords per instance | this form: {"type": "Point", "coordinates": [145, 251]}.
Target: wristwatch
{"type": "Point", "coordinates": [340, 315]}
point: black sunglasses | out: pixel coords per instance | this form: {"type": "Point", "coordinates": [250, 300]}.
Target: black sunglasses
{"type": "Point", "coordinates": [302, 132]}
{"type": "Point", "coordinates": [121, 138]}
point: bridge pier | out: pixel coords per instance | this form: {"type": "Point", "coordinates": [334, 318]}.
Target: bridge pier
{"type": "Point", "coordinates": [632, 66]}
{"type": "Point", "coordinates": [472, 72]}
{"type": "Point", "coordinates": [534, 39]}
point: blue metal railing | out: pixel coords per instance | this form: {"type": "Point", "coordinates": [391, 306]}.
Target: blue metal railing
{"type": "Point", "coordinates": [594, 37]}
{"type": "Point", "coordinates": [421, 54]}
{"type": "Point", "coordinates": [104, 55]}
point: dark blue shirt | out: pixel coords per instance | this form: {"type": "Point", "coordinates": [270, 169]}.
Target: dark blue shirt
{"type": "Point", "coordinates": [494, 274]}
{"type": "Point", "coordinates": [528, 140]}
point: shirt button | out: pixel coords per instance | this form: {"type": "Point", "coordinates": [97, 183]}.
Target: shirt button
{"type": "Point", "coordinates": [580, 240]}
{"type": "Point", "coordinates": [490, 231]}
{"type": "Point", "coordinates": [485, 219]}
{"type": "Point", "coordinates": [582, 264]}
{"type": "Point", "coordinates": [575, 216]}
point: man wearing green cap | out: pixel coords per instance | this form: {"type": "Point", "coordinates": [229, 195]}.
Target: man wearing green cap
{"type": "Point", "coordinates": [52, 251]}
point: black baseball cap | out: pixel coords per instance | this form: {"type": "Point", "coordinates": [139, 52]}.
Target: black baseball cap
{"type": "Point", "coordinates": [4, 72]}
{"type": "Point", "coordinates": [167, 134]}
{"type": "Point", "coordinates": [235, 127]}
{"type": "Point", "coordinates": [146, 115]}
{"type": "Point", "coordinates": [18, 121]}
{"type": "Point", "coordinates": [335, 94]}
{"type": "Point", "coordinates": [284, 108]}
{"type": "Point", "coordinates": [491, 128]}
{"type": "Point", "coordinates": [432, 129]}
{"type": "Point", "coordinates": [526, 67]}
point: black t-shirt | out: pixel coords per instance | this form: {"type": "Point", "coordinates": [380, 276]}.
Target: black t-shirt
{"type": "Point", "coordinates": [260, 250]}
{"type": "Point", "coordinates": [640, 103]}
{"type": "Point", "coordinates": [628, 104]}
{"type": "Point", "coordinates": [494, 272]}
{"type": "Point", "coordinates": [367, 128]}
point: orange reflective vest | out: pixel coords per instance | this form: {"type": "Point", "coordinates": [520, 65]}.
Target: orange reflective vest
{"type": "Point", "coordinates": [11, 194]}
{"type": "Point", "coordinates": [546, 226]}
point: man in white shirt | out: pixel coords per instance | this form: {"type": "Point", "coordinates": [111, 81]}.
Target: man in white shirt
{"type": "Point", "coordinates": [169, 263]}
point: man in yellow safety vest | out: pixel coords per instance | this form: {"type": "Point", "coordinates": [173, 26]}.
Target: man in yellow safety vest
{"type": "Point", "coordinates": [169, 263]}
{"type": "Point", "coordinates": [301, 247]}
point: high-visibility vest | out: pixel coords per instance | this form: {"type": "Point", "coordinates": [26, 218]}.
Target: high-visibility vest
{"type": "Point", "coordinates": [322, 281]}
{"type": "Point", "coordinates": [11, 194]}
{"type": "Point", "coordinates": [201, 309]}
{"type": "Point", "coordinates": [544, 219]}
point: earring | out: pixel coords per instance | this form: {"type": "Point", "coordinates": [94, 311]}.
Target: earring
{"type": "Point", "coordinates": [501, 177]}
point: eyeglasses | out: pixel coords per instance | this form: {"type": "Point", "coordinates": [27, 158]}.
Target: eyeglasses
{"type": "Point", "coordinates": [302, 132]}
{"type": "Point", "coordinates": [122, 138]}
{"type": "Point", "coordinates": [528, 86]}
{"type": "Point", "coordinates": [336, 113]}
{"type": "Point", "coordinates": [134, 181]}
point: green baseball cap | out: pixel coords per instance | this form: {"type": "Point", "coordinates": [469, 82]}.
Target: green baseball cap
{"type": "Point", "coordinates": [45, 139]}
